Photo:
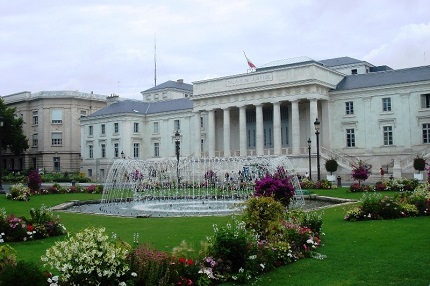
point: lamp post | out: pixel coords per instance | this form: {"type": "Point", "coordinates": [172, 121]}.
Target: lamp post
{"type": "Point", "coordinates": [309, 150]}
{"type": "Point", "coordinates": [317, 133]}
{"type": "Point", "coordinates": [2, 191]}
{"type": "Point", "coordinates": [178, 148]}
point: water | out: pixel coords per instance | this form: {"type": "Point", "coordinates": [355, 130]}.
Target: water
{"type": "Point", "coordinates": [188, 187]}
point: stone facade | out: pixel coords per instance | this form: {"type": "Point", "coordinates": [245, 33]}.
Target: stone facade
{"type": "Point", "coordinates": [52, 126]}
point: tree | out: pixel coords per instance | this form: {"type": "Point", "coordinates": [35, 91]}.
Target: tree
{"type": "Point", "coordinates": [361, 171]}
{"type": "Point", "coordinates": [13, 137]}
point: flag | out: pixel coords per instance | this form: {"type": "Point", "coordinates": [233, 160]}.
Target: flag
{"type": "Point", "coordinates": [250, 64]}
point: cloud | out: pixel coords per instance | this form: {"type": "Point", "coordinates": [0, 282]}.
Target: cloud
{"type": "Point", "coordinates": [408, 48]}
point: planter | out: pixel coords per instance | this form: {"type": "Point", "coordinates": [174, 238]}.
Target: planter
{"type": "Point", "coordinates": [418, 176]}
{"type": "Point", "coordinates": [331, 178]}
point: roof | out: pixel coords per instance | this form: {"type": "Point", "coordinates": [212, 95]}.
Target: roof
{"type": "Point", "coordinates": [172, 85]}
{"type": "Point", "coordinates": [389, 77]}
{"type": "Point", "coordinates": [140, 107]}
{"type": "Point", "coordinates": [340, 61]}
{"type": "Point", "coordinates": [286, 62]}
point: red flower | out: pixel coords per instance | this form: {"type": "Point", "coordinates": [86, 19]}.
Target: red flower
{"type": "Point", "coordinates": [30, 228]}
{"type": "Point", "coordinates": [182, 260]}
{"type": "Point", "coordinates": [189, 262]}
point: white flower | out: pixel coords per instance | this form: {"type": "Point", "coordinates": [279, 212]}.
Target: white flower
{"type": "Point", "coordinates": [134, 274]}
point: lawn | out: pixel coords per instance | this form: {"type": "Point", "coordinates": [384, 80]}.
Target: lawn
{"type": "Point", "coordinates": [390, 252]}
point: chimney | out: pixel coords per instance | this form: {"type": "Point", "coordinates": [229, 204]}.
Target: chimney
{"type": "Point", "coordinates": [112, 99]}
{"type": "Point", "coordinates": [180, 80]}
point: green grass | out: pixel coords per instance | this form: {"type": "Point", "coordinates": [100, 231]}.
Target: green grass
{"type": "Point", "coordinates": [390, 252]}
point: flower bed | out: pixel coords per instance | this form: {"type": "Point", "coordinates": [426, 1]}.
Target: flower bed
{"type": "Point", "coordinates": [375, 206]}
{"type": "Point", "coordinates": [41, 224]}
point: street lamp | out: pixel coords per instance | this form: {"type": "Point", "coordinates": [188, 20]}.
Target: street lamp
{"type": "Point", "coordinates": [2, 191]}
{"type": "Point", "coordinates": [178, 148]}
{"type": "Point", "coordinates": [317, 133]}
{"type": "Point", "coordinates": [309, 150]}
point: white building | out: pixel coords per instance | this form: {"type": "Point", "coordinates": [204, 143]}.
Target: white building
{"type": "Point", "coordinates": [375, 114]}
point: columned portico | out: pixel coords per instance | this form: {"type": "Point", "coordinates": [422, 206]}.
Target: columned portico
{"type": "Point", "coordinates": [267, 112]}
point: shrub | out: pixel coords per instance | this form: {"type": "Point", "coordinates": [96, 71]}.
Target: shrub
{"type": "Point", "coordinates": [307, 184]}
{"type": "Point", "coordinates": [361, 171]}
{"type": "Point", "coordinates": [7, 255]}
{"type": "Point", "coordinates": [231, 245]}
{"type": "Point", "coordinates": [356, 187]}
{"type": "Point", "coordinates": [22, 273]}
{"type": "Point", "coordinates": [260, 213]}
{"type": "Point", "coordinates": [419, 164]}
{"type": "Point", "coordinates": [19, 192]}
{"type": "Point", "coordinates": [277, 186]}
{"type": "Point", "coordinates": [151, 265]}
{"type": "Point", "coordinates": [34, 181]}
{"type": "Point", "coordinates": [45, 223]}
{"type": "Point", "coordinates": [89, 258]}
{"type": "Point", "coordinates": [331, 165]}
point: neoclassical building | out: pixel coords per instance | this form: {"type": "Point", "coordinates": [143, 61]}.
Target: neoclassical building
{"type": "Point", "coordinates": [52, 126]}
{"type": "Point", "coordinates": [366, 112]}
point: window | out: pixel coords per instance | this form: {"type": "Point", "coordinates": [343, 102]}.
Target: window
{"type": "Point", "coordinates": [35, 140]}
{"type": "Point", "coordinates": [201, 122]}
{"type": "Point", "coordinates": [156, 127]}
{"type": "Point", "coordinates": [136, 150]}
{"type": "Point", "coordinates": [350, 137]}
{"type": "Point", "coordinates": [103, 150]}
{"type": "Point", "coordinates": [83, 113]}
{"type": "Point", "coordinates": [35, 118]}
{"type": "Point", "coordinates": [90, 172]}
{"type": "Point", "coordinates": [426, 133]}
{"type": "Point", "coordinates": [156, 149]}
{"type": "Point", "coordinates": [90, 151]}
{"type": "Point", "coordinates": [57, 164]}
{"type": "Point", "coordinates": [103, 127]}
{"type": "Point", "coordinates": [116, 149]}
{"type": "Point", "coordinates": [349, 107]}
{"type": "Point", "coordinates": [177, 125]}
{"type": "Point", "coordinates": [57, 138]}
{"type": "Point", "coordinates": [386, 104]}
{"type": "Point", "coordinates": [425, 100]}
{"type": "Point", "coordinates": [136, 127]}
{"type": "Point", "coordinates": [354, 71]}
{"type": "Point", "coordinates": [388, 135]}
{"type": "Point", "coordinates": [56, 116]}
{"type": "Point", "coordinates": [90, 130]}
{"type": "Point", "coordinates": [115, 127]}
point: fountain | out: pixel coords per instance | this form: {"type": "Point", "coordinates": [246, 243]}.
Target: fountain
{"type": "Point", "coordinates": [187, 187]}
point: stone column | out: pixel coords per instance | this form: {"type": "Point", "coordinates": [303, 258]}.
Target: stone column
{"type": "Point", "coordinates": [313, 114]}
{"type": "Point", "coordinates": [259, 129]}
{"type": "Point", "coordinates": [226, 123]}
{"type": "Point", "coordinates": [295, 127]}
{"type": "Point", "coordinates": [211, 133]}
{"type": "Point", "coordinates": [277, 128]}
{"type": "Point", "coordinates": [198, 135]}
{"type": "Point", "coordinates": [242, 130]}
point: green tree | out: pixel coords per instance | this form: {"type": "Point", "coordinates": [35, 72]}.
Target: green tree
{"type": "Point", "coordinates": [13, 137]}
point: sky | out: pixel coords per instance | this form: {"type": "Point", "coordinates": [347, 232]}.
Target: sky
{"type": "Point", "coordinates": [108, 46]}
